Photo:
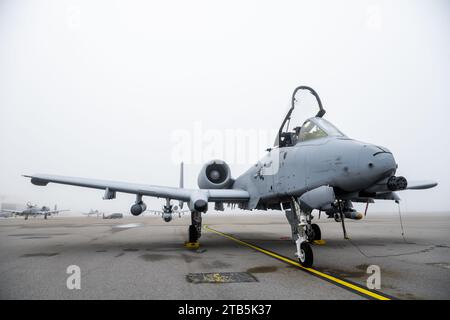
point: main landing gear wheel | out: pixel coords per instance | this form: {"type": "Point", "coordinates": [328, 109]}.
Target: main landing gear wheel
{"type": "Point", "coordinates": [306, 255]}
{"type": "Point", "coordinates": [193, 234]}
{"type": "Point", "coordinates": [316, 233]}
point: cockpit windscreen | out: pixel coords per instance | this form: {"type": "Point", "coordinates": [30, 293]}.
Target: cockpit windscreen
{"type": "Point", "coordinates": [317, 128]}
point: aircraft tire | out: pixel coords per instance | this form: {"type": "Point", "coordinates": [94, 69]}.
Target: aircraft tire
{"type": "Point", "coordinates": [193, 233]}
{"type": "Point", "coordinates": [306, 259]}
{"type": "Point", "coordinates": [316, 232]}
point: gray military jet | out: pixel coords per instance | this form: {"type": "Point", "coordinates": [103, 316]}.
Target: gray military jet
{"type": "Point", "coordinates": [34, 210]}
{"type": "Point", "coordinates": [93, 213]}
{"type": "Point", "coordinates": [313, 166]}
{"type": "Point", "coordinates": [113, 216]}
{"type": "Point", "coordinates": [168, 210]}
{"type": "Point", "coordinates": [5, 214]}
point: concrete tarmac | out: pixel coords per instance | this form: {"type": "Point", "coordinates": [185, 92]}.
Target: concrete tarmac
{"type": "Point", "coordinates": [144, 257]}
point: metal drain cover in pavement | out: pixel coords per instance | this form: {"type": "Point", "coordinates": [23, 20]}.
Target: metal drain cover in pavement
{"type": "Point", "coordinates": [220, 277]}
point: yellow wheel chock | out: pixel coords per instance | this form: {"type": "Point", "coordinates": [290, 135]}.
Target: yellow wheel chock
{"type": "Point", "coordinates": [192, 245]}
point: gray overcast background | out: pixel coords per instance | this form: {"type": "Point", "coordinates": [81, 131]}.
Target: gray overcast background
{"type": "Point", "coordinates": [97, 88]}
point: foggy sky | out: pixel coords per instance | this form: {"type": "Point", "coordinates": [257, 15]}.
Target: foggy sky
{"type": "Point", "coordinates": [98, 88]}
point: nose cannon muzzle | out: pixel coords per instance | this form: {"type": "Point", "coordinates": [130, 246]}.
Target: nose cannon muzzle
{"type": "Point", "coordinates": [397, 183]}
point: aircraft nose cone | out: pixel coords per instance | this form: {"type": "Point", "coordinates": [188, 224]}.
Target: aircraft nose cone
{"type": "Point", "coordinates": [377, 162]}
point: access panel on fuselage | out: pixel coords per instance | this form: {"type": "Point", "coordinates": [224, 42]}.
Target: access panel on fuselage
{"type": "Point", "coordinates": [290, 178]}
{"type": "Point", "coordinates": [266, 170]}
{"type": "Point", "coordinates": [319, 163]}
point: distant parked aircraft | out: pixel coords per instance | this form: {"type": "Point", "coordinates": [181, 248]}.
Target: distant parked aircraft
{"type": "Point", "coordinates": [113, 216]}
{"type": "Point", "coordinates": [34, 211]}
{"type": "Point", "coordinates": [93, 212]}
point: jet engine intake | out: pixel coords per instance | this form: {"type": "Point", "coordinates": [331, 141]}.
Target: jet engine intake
{"type": "Point", "coordinates": [215, 174]}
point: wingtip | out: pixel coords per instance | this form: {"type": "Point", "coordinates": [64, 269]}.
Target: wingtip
{"type": "Point", "coordinates": [36, 180]}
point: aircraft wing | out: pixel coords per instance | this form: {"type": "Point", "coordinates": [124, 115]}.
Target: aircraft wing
{"type": "Point", "coordinates": [56, 211]}
{"type": "Point", "coordinates": [11, 211]}
{"type": "Point", "coordinates": [213, 195]}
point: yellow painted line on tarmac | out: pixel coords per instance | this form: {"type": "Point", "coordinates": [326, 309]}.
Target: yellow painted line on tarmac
{"type": "Point", "coordinates": [332, 279]}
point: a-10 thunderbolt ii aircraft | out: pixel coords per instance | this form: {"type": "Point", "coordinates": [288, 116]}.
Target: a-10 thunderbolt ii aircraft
{"type": "Point", "coordinates": [34, 210]}
{"type": "Point", "coordinates": [93, 213]}
{"type": "Point", "coordinates": [168, 211]}
{"type": "Point", "coordinates": [313, 166]}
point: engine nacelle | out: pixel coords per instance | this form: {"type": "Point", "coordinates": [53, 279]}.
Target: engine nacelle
{"type": "Point", "coordinates": [215, 174]}
{"type": "Point", "coordinates": [138, 208]}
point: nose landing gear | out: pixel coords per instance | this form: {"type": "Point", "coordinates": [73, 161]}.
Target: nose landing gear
{"type": "Point", "coordinates": [303, 232]}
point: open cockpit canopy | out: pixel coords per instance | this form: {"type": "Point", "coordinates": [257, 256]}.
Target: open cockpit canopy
{"type": "Point", "coordinates": [313, 128]}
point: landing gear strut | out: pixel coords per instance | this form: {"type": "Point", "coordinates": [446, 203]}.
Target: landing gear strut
{"type": "Point", "coordinates": [312, 230]}
{"type": "Point", "coordinates": [195, 229]}
{"type": "Point", "coordinates": [341, 215]}
{"type": "Point", "coordinates": [302, 233]}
